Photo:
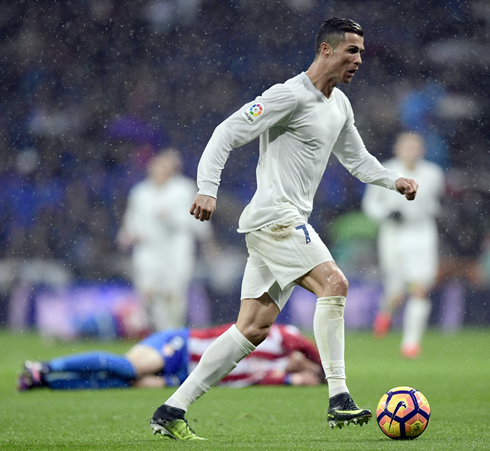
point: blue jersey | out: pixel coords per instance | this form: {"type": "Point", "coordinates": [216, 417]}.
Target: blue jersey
{"type": "Point", "coordinates": [172, 345]}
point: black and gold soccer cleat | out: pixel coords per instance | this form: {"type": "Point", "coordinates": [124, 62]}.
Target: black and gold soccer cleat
{"type": "Point", "coordinates": [343, 410]}
{"type": "Point", "coordinates": [170, 422]}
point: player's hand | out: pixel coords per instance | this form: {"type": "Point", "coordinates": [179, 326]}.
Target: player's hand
{"type": "Point", "coordinates": [305, 377]}
{"type": "Point", "coordinates": [203, 207]}
{"type": "Point", "coordinates": [408, 187]}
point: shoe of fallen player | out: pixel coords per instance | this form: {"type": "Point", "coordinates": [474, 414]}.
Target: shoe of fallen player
{"type": "Point", "coordinates": [32, 376]}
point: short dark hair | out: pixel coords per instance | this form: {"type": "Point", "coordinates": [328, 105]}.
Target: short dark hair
{"type": "Point", "coordinates": [333, 32]}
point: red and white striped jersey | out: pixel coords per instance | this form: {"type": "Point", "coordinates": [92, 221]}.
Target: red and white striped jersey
{"type": "Point", "coordinates": [266, 365]}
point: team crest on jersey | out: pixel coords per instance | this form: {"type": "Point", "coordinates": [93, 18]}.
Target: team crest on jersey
{"type": "Point", "coordinates": [254, 113]}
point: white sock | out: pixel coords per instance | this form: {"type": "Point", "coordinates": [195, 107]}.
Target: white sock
{"type": "Point", "coordinates": [328, 327]}
{"type": "Point", "coordinates": [221, 357]}
{"type": "Point", "coordinates": [415, 320]}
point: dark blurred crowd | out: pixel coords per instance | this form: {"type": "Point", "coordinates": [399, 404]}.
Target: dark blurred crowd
{"type": "Point", "coordinates": [90, 89]}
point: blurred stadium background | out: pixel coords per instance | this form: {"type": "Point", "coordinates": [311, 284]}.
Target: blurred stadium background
{"type": "Point", "coordinates": [91, 88]}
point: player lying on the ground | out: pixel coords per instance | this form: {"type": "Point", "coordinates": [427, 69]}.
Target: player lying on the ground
{"type": "Point", "coordinates": [166, 358]}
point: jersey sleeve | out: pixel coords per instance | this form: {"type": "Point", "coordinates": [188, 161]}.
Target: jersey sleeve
{"type": "Point", "coordinates": [272, 108]}
{"type": "Point", "coordinates": [353, 155]}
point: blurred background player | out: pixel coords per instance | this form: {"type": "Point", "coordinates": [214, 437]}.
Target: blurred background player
{"type": "Point", "coordinates": [166, 358]}
{"type": "Point", "coordinates": [407, 242]}
{"type": "Point", "coordinates": [163, 237]}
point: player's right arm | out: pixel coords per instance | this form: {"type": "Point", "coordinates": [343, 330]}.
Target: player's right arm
{"type": "Point", "coordinates": [273, 107]}
{"type": "Point", "coordinates": [127, 234]}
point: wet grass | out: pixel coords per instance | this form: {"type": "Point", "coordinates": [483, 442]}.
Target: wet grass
{"type": "Point", "coordinates": [453, 372]}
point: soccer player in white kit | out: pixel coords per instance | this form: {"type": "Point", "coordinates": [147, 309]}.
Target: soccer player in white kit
{"type": "Point", "coordinates": [163, 238]}
{"type": "Point", "coordinates": [407, 242]}
{"type": "Point", "coordinates": [299, 124]}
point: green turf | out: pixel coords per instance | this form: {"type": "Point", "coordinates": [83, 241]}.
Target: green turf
{"type": "Point", "coordinates": [453, 373]}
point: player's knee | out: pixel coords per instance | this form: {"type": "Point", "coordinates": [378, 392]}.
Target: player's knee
{"type": "Point", "coordinates": [255, 333]}
{"type": "Point", "coordinates": [336, 284]}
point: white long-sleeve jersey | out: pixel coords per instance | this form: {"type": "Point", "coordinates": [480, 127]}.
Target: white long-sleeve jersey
{"type": "Point", "coordinates": [165, 233]}
{"type": "Point", "coordinates": [298, 128]}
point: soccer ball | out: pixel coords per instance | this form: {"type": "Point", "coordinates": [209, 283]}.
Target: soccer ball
{"type": "Point", "coordinates": [403, 413]}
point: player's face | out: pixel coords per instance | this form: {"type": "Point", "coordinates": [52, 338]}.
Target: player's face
{"type": "Point", "coordinates": [346, 57]}
{"type": "Point", "coordinates": [409, 148]}
{"type": "Point", "coordinates": [162, 168]}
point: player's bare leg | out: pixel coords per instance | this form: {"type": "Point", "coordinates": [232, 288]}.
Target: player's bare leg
{"type": "Point", "coordinates": [256, 317]}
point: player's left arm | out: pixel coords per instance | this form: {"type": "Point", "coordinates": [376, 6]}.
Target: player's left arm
{"type": "Point", "coordinates": [350, 150]}
{"type": "Point", "coordinates": [353, 155]}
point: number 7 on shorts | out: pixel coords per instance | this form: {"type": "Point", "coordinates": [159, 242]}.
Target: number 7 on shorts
{"type": "Point", "coordinates": [307, 235]}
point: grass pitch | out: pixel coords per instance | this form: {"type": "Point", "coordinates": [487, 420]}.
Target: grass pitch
{"type": "Point", "coordinates": [453, 373]}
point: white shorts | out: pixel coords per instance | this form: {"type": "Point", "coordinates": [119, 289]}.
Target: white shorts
{"type": "Point", "coordinates": [278, 256]}
{"type": "Point", "coordinates": [408, 256]}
